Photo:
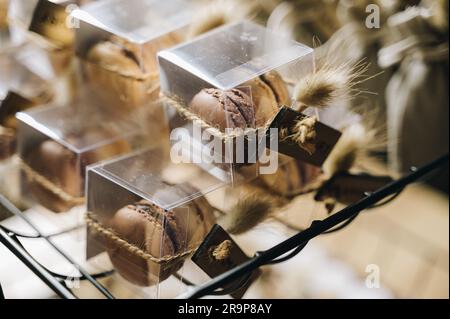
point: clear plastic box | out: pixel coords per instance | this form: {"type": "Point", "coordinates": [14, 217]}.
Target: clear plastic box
{"type": "Point", "coordinates": [159, 214]}
{"type": "Point", "coordinates": [225, 86]}
{"type": "Point", "coordinates": [147, 215]}
{"type": "Point", "coordinates": [49, 25]}
{"type": "Point", "coordinates": [20, 89]}
{"type": "Point", "coordinates": [117, 42]}
{"type": "Point", "coordinates": [56, 144]}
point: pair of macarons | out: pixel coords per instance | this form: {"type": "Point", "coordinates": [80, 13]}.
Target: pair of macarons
{"type": "Point", "coordinates": [123, 74]}
{"type": "Point", "coordinates": [65, 169]}
{"type": "Point", "coordinates": [251, 106]}
{"type": "Point", "coordinates": [158, 233]}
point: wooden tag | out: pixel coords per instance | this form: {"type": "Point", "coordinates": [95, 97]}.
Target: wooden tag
{"type": "Point", "coordinates": [204, 258]}
{"type": "Point", "coordinates": [326, 137]}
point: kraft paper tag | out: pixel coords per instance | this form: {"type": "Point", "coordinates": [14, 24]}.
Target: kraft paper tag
{"type": "Point", "coordinates": [285, 120]}
{"type": "Point", "coordinates": [204, 258]}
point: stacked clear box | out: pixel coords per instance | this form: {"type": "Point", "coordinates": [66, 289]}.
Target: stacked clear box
{"type": "Point", "coordinates": [149, 215]}
{"type": "Point", "coordinates": [223, 88]}
{"type": "Point", "coordinates": [20, 89]}
{"type": "Point", "coordinates": [117, 42]}
{"type": "Point", "coordinates": [56, 144]}
{"type": "Point", "coordinates": [48, 24]}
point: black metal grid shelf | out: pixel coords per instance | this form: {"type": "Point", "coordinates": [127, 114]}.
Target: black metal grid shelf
{"type": "Point", "coordinates": [238, 275]}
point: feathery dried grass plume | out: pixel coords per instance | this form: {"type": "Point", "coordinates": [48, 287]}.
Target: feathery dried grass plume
{"type": "Point", "coordinates": [218, 13]}
{"type": "Point", "coordinates": [253, 208]}
{"type": "Point", "coordinates": [355, 143]}
{"type": "Point", "coordinates": [329, 84]}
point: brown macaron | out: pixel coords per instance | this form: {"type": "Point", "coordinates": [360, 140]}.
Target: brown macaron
{"type": "Point", "coordinates": [65, 169]}
{"type": "Point", "coordinates": [269, 92]}
{"type": "Point", "coordinates": [59, 165]}
{"type": "Point", "coordinates": [224, 109]}
{"type": "Point", "coordinates": [159, 233]}
{"type": "Point", "coordinates": [124, 75]}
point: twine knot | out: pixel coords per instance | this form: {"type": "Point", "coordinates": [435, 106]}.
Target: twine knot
{"type": "Point", "coordinates": [223, 250]}
{"type": "Point", "coordinates": [305, 134]}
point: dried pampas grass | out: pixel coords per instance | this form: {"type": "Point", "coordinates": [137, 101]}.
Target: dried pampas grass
{"type": "Point", "coordinates": [329, 84]}
{"type": "Point", "coordinates": [254, 207]}
{"type": "Point", "coordinates": [218, 13]}
{"type": "Point", "coordinates": [355, 143]}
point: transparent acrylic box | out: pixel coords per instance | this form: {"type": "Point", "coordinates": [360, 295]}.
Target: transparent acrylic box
{"type": "Point", "coordinates": [48, 24]}
{"type": "Point", "coordinates": [225, 86]}
{"type": "Point", "coordinates": [56, 144]}
{"type": "Point", "coordinates": [20, 89]}
{"type": "Point", "coordinates": [159, 213]}
{"type": "Point", "coordinates": [117, 42]}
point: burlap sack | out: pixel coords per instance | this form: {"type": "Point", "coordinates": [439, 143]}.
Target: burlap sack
{"type": "Point", "coordinates": [417, 95]}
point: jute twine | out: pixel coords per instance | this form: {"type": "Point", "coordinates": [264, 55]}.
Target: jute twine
{"type": "Point", "coordinates": [43, 181]}
{"type": "Point", "coordinates": [223, 250]}
{"type": "Point", "coordinates": [108, 233]}
{"type": "Point", "coordinates": [305, 134]}
{"type": "Point", "coordinates": [183, 110]}
{"type": "Point", "coordinates": [304, 129]}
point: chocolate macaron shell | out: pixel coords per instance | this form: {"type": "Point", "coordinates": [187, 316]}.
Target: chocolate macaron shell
{"type": "Point", "coordinates": [264, 101]}
{"type": "Point", "coordinates": [145, 231]}
{"type": "Point", "coordinates": [116, 58]}
{"type": "Point", "coordinates": [116, 71]}
{"type": "Point", "coordinates": [197, 216]}
{"type": "Point", "coordinates": [244, 104]}
{"type": "Point", "coordinates": [59, 165]}
{"type": "Point", "coordinates": [268, 93]}
{"type": "Point", "coordinates": [159, 233]}
{"type": "Point", "coordinates": [223, 109]}
{"type": "Point", "coordinates": [207, 105]}
{"type": "Point", "coordinates": [278, 86]}
{"type": "Point", "coordinates": [175, 233]}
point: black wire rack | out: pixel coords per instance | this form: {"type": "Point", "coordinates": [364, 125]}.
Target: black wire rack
{"type": "Point", "coordinates": [233, 279]}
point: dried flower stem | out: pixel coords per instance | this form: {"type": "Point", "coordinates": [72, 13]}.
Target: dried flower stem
{"type": "Point", "coordinates": [330, 84]}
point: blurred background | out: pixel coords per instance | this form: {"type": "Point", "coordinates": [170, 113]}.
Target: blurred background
{"type": "Point", "coordinates": [400, 250]}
